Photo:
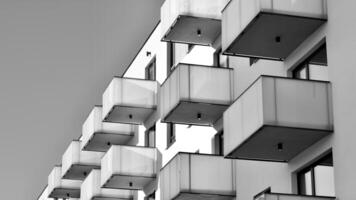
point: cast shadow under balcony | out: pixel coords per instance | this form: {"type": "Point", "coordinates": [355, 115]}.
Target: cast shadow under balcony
{"type": "Point", "coordinates": [269, 29]}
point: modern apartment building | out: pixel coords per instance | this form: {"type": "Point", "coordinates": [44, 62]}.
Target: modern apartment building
{"type": "Point", "coordinates": [240, 99]}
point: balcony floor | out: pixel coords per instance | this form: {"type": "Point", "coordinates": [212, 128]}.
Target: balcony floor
{"type": "Point", "coordinates": [65, 193]}
{"type": "Point", "coordinates": [259, 37]}
{"type": "Point", "coordinates": [123, 182]}
{"type": "Point", "coordinates": [121, 114]}
{"type": "Point", "coordinates": [186, 113]}
{"type": "Point", "coordinates": [79, 172]}
{"type": "Point", "coordinates": [184, 30]}
{"type": "Point", "coordinates": [202, 196]}
{"type": "Point", "coordinates": [102, 141]}
{"type": "Point", "coordinates": [262, 145]}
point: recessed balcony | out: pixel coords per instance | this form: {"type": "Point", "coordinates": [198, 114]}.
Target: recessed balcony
{"type": "Point", "coordinates": [129, 167]}
{"type": "Point", "coordinates": [195, 94]}
{"type": "Point", "coordinates": [76, 164]}
{"type": "Point", "coordinates": [92, 190]}
{"type": "Point", "coordinates": [198, 176]}
{"type": "Point", "coordinates": [276, 118]}
{"type": "Point", "coordinates": [269, 29]}
{"type": "Point", "coordinates": [62, 188]}
{"type": "Point", "coordinates": [128, 100]}
{"type": "Point", "coordinates": [99, 136]}
{"type": "Point", "coordinates": [278, 196]}
{"type": "Point", "coordinates": [191, 21]}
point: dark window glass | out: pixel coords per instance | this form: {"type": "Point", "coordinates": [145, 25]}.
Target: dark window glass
{"type": "Point", "coordinates": [314, 67]}
{"type": "Point", "coordinates": [219, 143]}
{"type": "Point", "coordinates": [171, 134]}
{"type": "Point", "coordinates": [150, 71]}
{"type": "Point", "coordinates": [150, 137]}
{"type": "Point", "coordinates": [152, 196]}
{"type": "Point", "coordinates": [253, 60]}
{"type": "Point", "coordinates": [318, 178]}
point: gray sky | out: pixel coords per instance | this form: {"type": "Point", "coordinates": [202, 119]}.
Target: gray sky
{"type": "Point", "coordinates": [56, 58]}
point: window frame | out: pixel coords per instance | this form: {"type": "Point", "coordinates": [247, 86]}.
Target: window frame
{"type": "Point", "coordinates": [311, 168]}
{"type": "Point", "coordinates": [153, 64]}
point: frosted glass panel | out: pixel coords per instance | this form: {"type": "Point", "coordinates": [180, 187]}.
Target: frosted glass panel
{"type": "Point", "coordinates": [243, 117]}
{"type": "Point", "coordinates": [130, 92]}
{"type": "Point", "coordinates": [299, 103]}
{"type": "Point", "coordinates": [196, 83]}
{"type": "Point", "coordinates": [324, 180]}
{"type": "Point", "coordinates": [171, 9]}
{"type": "Point", "coordinates": [129, 161]}
{"type": "Point", "coordinates": [194, 173]}
{"type": "Point", "coordinates": [91, 188]}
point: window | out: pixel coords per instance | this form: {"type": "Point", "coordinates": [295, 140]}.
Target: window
{"type": "Point", "coordinates": [171, 134]}
{"type": "Point", "coordinates": [170, 57]}
{"type": "Point", "coordinates": [318, 178]}
{"type": "Point", "coordinates": [314, 67]}
{"type": "Point", "coordinates": [150, 137]}
{"type": "Point", "coordinates": [219, 143]}
{"type": "Point", "coordinates": [150, 70]}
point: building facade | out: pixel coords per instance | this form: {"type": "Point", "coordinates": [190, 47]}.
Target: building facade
{"type": "Point", "coordinates": [240, 99]}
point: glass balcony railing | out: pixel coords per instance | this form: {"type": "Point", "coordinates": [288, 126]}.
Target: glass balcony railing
{"type": "Point", "coordinates": [129, 167]}
{"type": "Point", "coordinates": [76, 164]}
{"type": "Point", "coordinates": [197, 176]}
{"type": "Point", "coordinates": [191, 21]}
{"type": "Point", "coordinates": [91, 189]}
{"type": "Point", "coordinates": [62, 188]}
{"type": "Point", "coordinates": [274, 196]}
{"type": "Point", "coordinates": [276, 118]}
{"type": "Point", "coordinates": [99, 136]}
{"type": "Point", "coordinates": [195, 94]}
{"type": "Point", "coordinates": [269, 29]}
{"type": "Point", "coordinates": [128, 100]}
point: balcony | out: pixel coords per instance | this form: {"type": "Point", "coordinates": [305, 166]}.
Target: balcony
{"type": "Point", "coordinates": [269, 29]}
{"type": "Point", "coordinates": [91, 189]}
{"type": "Point", "coordinates": [198, 176]}
{"type": "Point", "coordinates": [276, 118]}
{"type": "Point", "coordinates": [191, 21]}
{"type": "Point", "coordinates": [62, 188]}
{"type": "Point", "coordinates": [129, 100]}
{"type": "Point", "coordinates": [275, 196]}
{"type": "Point", "coordinates": [76, 164]}
{"type": "Point", "coordinates": [195, 94]}
{"type": "Point", "coordinates": [129, 167]}
{"type": "Point", "coordinates": [99, 136]}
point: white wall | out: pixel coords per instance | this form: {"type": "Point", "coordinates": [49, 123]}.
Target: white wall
{"type": "Point", "coordinates": [341, 51]}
